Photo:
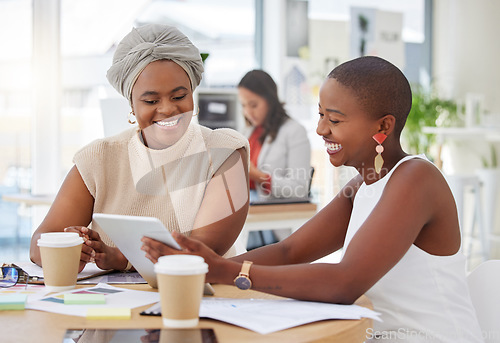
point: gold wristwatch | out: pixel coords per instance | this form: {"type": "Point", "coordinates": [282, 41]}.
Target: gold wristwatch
{"type": "Point", "coordinates": [242, 281]}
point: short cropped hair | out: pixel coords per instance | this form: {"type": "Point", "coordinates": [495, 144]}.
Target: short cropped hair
{"type": "Point", "coordinates": [380, 87]}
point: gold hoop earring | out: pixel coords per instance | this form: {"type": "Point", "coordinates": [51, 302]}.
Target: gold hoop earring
{"type": "Point", "coordinates": [197, 112]}
{"type": "Point", "coordinates": [129, 116]}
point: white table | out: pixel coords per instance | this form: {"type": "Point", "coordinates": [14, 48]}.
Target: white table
{"type": "Point", "coordinates": [29, 199]}
{"type": "Point", "coordinates": [276, 216]}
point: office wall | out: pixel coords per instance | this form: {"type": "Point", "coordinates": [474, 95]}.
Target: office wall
{"type": "Point", "coordinates": [329, 46]}
{"type": "Point", "coordinates": [465, 60]}
{"type": "Point", "coordinates": [466, 49]}
{"type": "Point", "coordinates": [274, 39]}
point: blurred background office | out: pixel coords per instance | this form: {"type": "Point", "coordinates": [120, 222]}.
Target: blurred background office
{"type": "Point", "coordinates": [54, 96]}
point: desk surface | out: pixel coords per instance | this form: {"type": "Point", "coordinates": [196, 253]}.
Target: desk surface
{"type": "Point", "coordinates": [38, 326]}
{"type": "Point", "coordinates": [278, 216]}
{"type": "Point", "coordinates": [29, 199]}
{"type": "Point", "coordinates": [284, 207]}
{"type": "Point", "coordinates": [32, 199]}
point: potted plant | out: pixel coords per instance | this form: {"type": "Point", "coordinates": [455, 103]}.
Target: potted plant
{"type": "Point", "coordinates": [427, 110]}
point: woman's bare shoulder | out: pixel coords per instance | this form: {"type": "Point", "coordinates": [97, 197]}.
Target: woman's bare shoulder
{"type": "Point", "coordinates": [419, 176]}
{"type": "Point", "coordinates": [418, 170]}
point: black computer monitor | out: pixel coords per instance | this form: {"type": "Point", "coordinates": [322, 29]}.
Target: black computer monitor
{"type": "Point", "coordinates": [219, 108]}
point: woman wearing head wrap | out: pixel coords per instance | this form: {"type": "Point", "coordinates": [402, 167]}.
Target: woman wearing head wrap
{"type": "Point", "coordinates": [190, 177]}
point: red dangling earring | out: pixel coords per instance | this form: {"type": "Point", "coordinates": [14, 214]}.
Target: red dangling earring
{"type": "Point", "coordinates": [379, 161]}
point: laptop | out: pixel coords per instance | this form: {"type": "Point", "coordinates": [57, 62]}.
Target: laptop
{"type": "Point", "coordinates": [256, 199]}
{"type": "Point", "coordinates": [126, 233]}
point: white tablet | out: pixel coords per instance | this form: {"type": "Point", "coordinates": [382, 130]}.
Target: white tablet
{"type": "Point", "coordinates": [126, 233]}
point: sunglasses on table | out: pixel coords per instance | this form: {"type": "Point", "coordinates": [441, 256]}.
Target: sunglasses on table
{"type": "Point", "coordinates": [11, 275]}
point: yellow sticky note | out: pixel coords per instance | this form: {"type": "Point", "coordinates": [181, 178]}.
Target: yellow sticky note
{"type": "Point", "coordinates": [109, 313]}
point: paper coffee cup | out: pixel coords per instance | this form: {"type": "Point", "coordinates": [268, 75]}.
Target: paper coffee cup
{"type": "Point", "coordinates": [181, 279]}
{"type": "Point", "coordinates": [60, 253]}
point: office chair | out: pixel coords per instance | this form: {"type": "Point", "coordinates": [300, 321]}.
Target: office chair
{"type": "Point", "coordinates": [484, 288]}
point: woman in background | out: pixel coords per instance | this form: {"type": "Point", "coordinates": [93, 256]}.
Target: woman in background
{"type": "Point", "coordinates": [280, 152]}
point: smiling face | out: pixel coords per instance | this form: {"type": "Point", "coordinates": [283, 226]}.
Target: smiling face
{"type": "Point", "coordinates": [345, 127]}
{"type": "Point", "coordinates": [255, 107]}
{"type": "Point", "coordinates": [162, 102]}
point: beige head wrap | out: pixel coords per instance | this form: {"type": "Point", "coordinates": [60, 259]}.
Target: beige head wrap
{"type": "Point", "coordinates": [147, 44]}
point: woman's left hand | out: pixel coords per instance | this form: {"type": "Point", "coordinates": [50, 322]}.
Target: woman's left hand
{"type": "Point", "coordinates": [105, 257]}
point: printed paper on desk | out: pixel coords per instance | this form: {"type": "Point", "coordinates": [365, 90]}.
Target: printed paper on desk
{"type": "Point", "coordinates": [115, 297]}
{"type": "Point", "coordinates": [34, 292]}
{"type": "Point", "coordinates": [265, 316]}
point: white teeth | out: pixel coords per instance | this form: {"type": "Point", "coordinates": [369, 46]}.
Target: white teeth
{"type": "Point", "coordinates": [333, 146]}
{"type": "Point", "coordinates": [168, 123]}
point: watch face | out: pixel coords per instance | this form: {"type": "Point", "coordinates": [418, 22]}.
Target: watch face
{"type": "Point", "coordinates": [243, 282]}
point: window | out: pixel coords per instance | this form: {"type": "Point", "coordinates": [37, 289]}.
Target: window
{"type": "Point", "coordinates": [15, 119]}
{"type": "Point", "coordinates": [89, 31]}
{"type": "Point", "coordinates": [224, 29]}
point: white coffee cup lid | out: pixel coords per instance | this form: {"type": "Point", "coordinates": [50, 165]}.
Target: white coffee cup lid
{"type": "Point", "coordinates": [59, 239]}
{"type": "Point", "coordinates": [181, 265]}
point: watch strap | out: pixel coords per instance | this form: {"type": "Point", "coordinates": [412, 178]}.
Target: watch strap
{"type": "Point", "coordinates": [245, 268]}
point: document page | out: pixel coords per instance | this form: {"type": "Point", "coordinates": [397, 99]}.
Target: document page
{"type": "Point", "coordinates": [265, 315]}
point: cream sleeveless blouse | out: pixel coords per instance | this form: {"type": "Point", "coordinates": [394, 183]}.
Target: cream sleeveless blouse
{"type": "Point", "coordinates": [126, 177]}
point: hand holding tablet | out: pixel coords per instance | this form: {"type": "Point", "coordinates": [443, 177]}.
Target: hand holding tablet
{"type": "Point", "coordinates": [126, 233]}
{"type": "Point", "coordinates": [164, 236]}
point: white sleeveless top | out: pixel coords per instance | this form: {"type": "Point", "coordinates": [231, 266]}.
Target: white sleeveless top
{"type": "Point", "coordinates": [424, 297]}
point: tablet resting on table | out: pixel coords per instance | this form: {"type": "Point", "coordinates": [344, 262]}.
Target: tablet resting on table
{"type": "Point", "coordinates": [126, 233]}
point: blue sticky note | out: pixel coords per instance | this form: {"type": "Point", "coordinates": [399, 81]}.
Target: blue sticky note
{"type": "Point", "coordinates": [84, 299]}
{"type": "Point", "coordinates": [12, 301]}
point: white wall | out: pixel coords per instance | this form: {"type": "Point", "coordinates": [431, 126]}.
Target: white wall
{"type": "Point", "coordinates": [274, 39]}
{"type": "Point", "coordinates": [466, 49]}
{"type": "Point", "coordinates": [45, 151]}
{"type": "Point", "coordinates": [465, 60]}
{"type": "Point", "coordinates": [329, 46]}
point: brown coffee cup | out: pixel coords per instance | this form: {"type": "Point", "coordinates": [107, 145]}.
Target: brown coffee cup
{"type": "Point", "coordinates": [60, 253]}
{"type": "Point", "coordinates": [181, 279]}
